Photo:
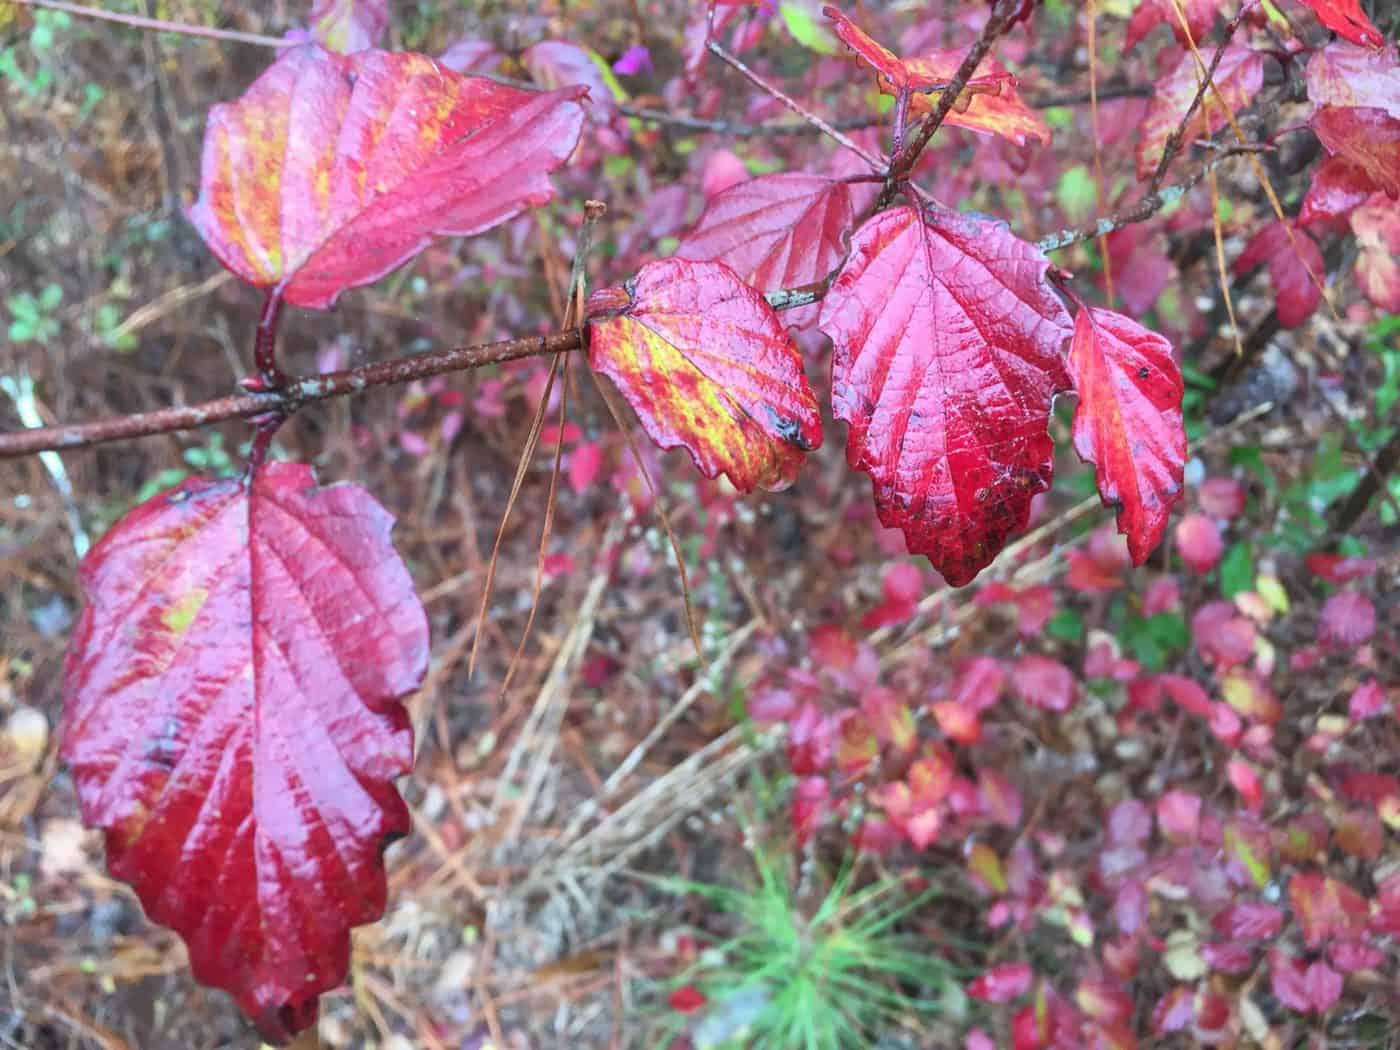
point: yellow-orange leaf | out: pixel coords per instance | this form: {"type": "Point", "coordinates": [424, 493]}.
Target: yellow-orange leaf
{"type": "Point", "coordinates": [708, 367]}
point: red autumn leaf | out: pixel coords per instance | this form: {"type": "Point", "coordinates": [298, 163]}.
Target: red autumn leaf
{"type": "Point", "coordinates": [1222, 636]}
{"type": "Point", "coordinates": [231, 718]}
{"type": "Point", "coordinates": [1347, 620]}
{"type": "Point", "coordinates": [1326, 908]}
{"type": "Point", "coordinates": [1351, 956]}
{"type": "Point", "coordinates": [1367, 137]}
{"type": "Point", "coordinates": [1179, 815]}
{"type": "Point", "coordinates": [1187, 693]}
{"type": "Point", "coordinates": [811, 740]}
{"type": "Point", "coordinates": [1340, 568]}
{"type": "Point", "coordinates": [707, 366]}
{"type": "Point", "coordinates": [561, 64]}
{"type": "Point", "coordinates": [956, 722]}
{"type": "Point", "coordinates": [1367, 701]}
{"type": "Point", "coordinates": [988, 103]}
{"type": "Point", "coordinates": [857, 747]}
{"type": "Point", "coordinates": [1104, 999]}
{"type": "Point", "coordinates": [1142, 268]}
{"type": "Point", "coordinates": [1002, 983]}
{"type": "Point", "coordinates": [1314, 989]}
{"type": "Point", "coordinates": [902, 585]}
{"type": "Point", "coordinates": [1377, 228]}
{"type": "Point", "coordinates": [1239, 77]}
{"type": "Point", "coordinates": [1295, 266]}
{"type": "Point", "coordinates": [687, 999]}
{"type": "Point", "coordinates": [347, 26]}
{"type": "Point", "coordinates": [1129, 823]}
{"type": "Point", "coordinates": [1201, 16]}
{"type": "Point", "coordinates": [1198, 540]}
{"type": "Point", "coordinates": [1128, 421]}
{"type": "Point", "coordinates": [1347, 20]}
{"type": "Point", "coordinates": [1246, 781]}
{"type": "Point", "coordinates": [947, 355]}
{"type": "Point", "coordinates": [391, 150]}
{"type": "Point", "coordinates": [1342, 74]}
{"type": "Point", "coordinates": [1221, 498]}
{"type": "Point", "coordinates": [1233, 957]}
{"type": "Point", "coordinates": [1174, 1011]}
{"type": "Point", "coordinates": [776, 231]}
{"type": "Point", "coordinates": [1338, 188]}
{"type": "Point", "coordinates": [1249, 921]}
{"type": "Point", "coordinates": [979, 683]}
{"type": "Point", "coordinates": [1044, 683]}
{"type": "Point", "coordinates": [1001, 801]}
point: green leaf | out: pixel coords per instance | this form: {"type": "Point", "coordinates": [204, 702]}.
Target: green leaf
{"type": "Point", "coordinates": [1236, 570]}
{"type": "Point", "coordinates": [806, 29]}
{"type": "Point", "coordinates": [1077, 193]}
{"type": "Point", "coordinates": [1066, 625]}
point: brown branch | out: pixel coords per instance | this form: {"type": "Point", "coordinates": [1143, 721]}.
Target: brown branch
{"type": "Point", "coordinates": [720, 52]}
{"type": "Point", "coordinates": [160, 25]}
{"type": "Point", "coordinates": [1349, 512]}
{"type": "Point", "coordinates": [286, 400]}
{"type": "Point", "coordinates": [1173, 143]}
{"type": "Point", "coordinates": [306, 389]}
{"type": "Point", "coordinates": [1144, 209]}
{"type": "Point", "coordinates": [908, 155]}
{"type": "Point", "coordinates": [739, 130]}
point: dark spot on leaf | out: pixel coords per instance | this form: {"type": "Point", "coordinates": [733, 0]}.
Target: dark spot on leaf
{"type": "Point", "coordinates": [1142, 373]}
{"type": "Point", "coordinates": [790, 430]}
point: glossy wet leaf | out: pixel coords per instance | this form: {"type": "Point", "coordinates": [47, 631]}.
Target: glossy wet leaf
{"type": "Point", "coordinates": [332, 170]}
{"type": "Point", "coordinates": [1338, 187]}
{"type": "Point", "coordinates": [1239, 78]}
{"type": "Point", "coordinates": [989, 103]}
{"type": "Point", "coordinates": [1367, 137]}
{"type": "Point", "coordinates": [1342, 74]}
{"type": "Point", "coordinates": [233, 724]}
{"type": "Point", "coordinates": [948, 351]}
{"type": "Point", "coordinates": [776, 231]}
{"type": "Point", "coordinates": [707, 366]}
{"type": "Point", "coordinates": [1128, 421]}
{"type": "Point", "coordinates": [1347, 20]}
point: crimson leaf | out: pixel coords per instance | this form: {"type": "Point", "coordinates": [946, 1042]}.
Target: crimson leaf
{"type": "Point", "coordinates": [231, 717]}
{"type": "Point", "coordinates": [948, 347]}
{"type": "Point", "coordinates": [775, 231]}
{"type": "Point", "coordinates": [1128, 421]}
{"type": "Point", "coordinates": [332, 170]}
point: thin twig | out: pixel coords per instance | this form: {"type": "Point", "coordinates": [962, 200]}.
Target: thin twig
{"type": "Point", "coordinates": [906, 158]}
{"type": "Point", "coordinates": [1143, 209]}
{"type": "Point", "coordinates": [1173, 143]}
{"type": "Point", "coordinates": [720, 52]}
{"type": "Point", "coordinates": [289, 398]}
{"type": "Point", "coordinates": [160, 25]}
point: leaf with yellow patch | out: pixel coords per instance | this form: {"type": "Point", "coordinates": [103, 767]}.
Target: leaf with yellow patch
{"type": "Point", "coordinates": [333, 170]}
{"type": "Point", "coordinates": [708, 367]}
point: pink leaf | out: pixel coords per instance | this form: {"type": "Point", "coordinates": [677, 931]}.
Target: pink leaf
{"type": "Point", "coordinates": [1347, 620]}
{"type": "Point", "coordinates": [1044, 683]}
{"type": "Point", "coordinates": [1002, 983]}
{"type": "Point", "coordinates": [1199, 542]}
